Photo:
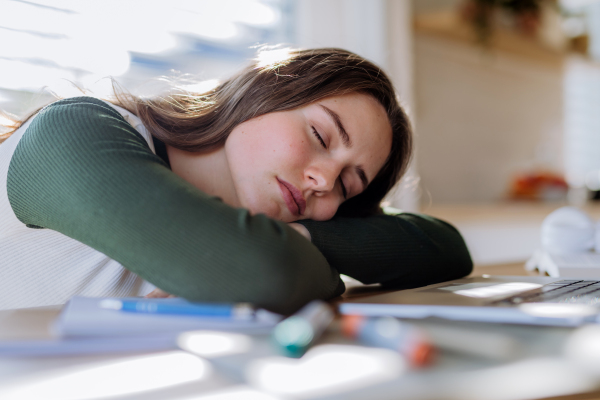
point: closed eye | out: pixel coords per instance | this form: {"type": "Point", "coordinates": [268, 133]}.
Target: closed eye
{"type": "Point", "coordinates": [319, 138]}
{"type": "Point", "coordinates": [344, 192]}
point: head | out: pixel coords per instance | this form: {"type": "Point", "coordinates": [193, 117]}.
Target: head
{"type": "Point", "coordinates": [282, 96]}
{"type": "Point", "coordinates": [305, 162]}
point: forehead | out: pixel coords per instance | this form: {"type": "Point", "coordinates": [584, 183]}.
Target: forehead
{"type": "Point", "coordinates": [368, 127]}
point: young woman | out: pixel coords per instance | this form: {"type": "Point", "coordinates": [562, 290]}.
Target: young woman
{"type": "Point", "coordinates": [263, 190]}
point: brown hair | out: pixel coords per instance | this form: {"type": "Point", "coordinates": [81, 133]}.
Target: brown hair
{"type": "Point", "coordinates": [293, 78]}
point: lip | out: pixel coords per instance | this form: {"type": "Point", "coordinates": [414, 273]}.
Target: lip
{"type": "Point", "coordinates": [293, 198]}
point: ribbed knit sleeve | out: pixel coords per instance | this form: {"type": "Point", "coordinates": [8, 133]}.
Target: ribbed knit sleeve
{"type": "Point", "coordinates": [399, 251]}
{"type": "Point", "coordinates": [81, 170]}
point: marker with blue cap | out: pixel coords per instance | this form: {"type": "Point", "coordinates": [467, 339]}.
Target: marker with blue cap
{"type": "Point", "coordinates": [294, 335]}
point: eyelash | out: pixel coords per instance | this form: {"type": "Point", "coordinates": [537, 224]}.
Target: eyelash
{"type": "Point", "coordinates": [320, 139]}
{"type": "Point", "coordinates": [344, 192]}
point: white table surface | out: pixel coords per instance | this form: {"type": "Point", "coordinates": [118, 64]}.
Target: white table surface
{"type": "Point", "coordinates": [357, 372]}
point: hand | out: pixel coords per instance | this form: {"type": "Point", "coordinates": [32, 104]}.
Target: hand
{"type": "Point", "coordinates": [301, 229]}
{"type": "Point", "coordinates": [158, 294]}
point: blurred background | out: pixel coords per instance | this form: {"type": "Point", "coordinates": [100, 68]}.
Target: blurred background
{"type": "Point", "coordinates": [504, 95]}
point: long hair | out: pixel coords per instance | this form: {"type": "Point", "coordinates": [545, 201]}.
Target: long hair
{"type": "Point", "coordinates": [277, 80]}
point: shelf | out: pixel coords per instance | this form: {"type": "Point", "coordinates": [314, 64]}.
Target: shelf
{"type": "Point", "coordinates": [449, 25]}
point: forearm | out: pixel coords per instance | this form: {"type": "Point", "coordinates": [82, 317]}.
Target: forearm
{"type": "Point", "coordinates": [90, 177]}
{"type": "Point", "coordinates": [403, 251]}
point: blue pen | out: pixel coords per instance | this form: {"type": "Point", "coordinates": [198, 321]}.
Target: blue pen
{"type": "Point", "coordinates": [241, 311]}
{"type": "Point", "coordinates": [294, 335]}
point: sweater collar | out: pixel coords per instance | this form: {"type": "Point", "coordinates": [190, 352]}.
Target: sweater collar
{"type": "Point", "coordinates": [161, 150]}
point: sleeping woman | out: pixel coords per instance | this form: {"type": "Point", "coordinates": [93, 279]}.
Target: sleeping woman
{"type": "Point", "coordinates": [263, 190]}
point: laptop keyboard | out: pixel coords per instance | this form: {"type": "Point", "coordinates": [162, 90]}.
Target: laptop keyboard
{"type": "Point", "coordinates": [564, 291]}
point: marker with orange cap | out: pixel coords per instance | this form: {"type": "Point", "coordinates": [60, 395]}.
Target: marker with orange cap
{"type": "Point", "coordinates": [390, 333]}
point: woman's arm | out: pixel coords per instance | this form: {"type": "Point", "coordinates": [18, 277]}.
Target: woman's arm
{"type": "Point", "coordinates": [399, 251]}
{"type": "Point", "coordinates": [81, 170]}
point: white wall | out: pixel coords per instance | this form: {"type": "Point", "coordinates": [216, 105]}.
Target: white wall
{"type": "Point", "coordinates": [355, 25]}
{"type": "Point", "coordinates": [482, 118]}
{"type": "Point", "coordinates": [582, 123]}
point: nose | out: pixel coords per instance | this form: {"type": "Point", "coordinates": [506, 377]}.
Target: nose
{"type": "Point", "coordinates": [322, 177]}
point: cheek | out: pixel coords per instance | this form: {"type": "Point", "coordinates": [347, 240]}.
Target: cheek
{"type": "Point", "coordinates": [278, 149]}
{"type": "Point", "coordinates": [247, 153]}
{"type": "Point", "coordinates": [324, 209]}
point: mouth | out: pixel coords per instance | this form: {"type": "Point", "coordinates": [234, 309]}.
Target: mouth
{"type": "Point", "coordinates": [293, 198]}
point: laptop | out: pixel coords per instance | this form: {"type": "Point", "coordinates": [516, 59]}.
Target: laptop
{"type": "Point", "coordinates": [503, 299]}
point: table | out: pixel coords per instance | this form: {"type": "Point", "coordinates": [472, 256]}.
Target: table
{"type": "Point", "coordinates": [518, 270]}
{"type": "Point", "coordinates": [176, 374]}
{"type": "Point", "coordinates": [515, 269]}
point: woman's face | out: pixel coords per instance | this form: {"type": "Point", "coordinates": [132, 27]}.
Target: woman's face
{"type": "Point", "coordinates": [304, 163]}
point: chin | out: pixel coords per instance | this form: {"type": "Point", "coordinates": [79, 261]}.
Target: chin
{"type": "Point", "coordinates": [272, 211]}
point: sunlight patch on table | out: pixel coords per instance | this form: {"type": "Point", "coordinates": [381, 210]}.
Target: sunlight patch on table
{"type": "Point", "coordinates": [115, 378]}
{"type": "Point", "coordinates": [325, 370]}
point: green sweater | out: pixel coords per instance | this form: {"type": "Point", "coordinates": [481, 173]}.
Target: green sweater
{"type": "Point", "coordinates": [82, 170]}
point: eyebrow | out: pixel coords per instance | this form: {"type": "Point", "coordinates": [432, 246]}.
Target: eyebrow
{"type": "Point", "coordinates": [340, 127]}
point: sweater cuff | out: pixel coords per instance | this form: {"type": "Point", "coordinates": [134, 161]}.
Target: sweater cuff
{"type": "Point", "coordinates": [318, 232]}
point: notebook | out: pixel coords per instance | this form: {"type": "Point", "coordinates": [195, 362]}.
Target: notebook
{"type": "Point", "coordinates": [83, 327]}
{"type": "Point", "coordinates": [503, 299]}
{"type": "Point", "coordinates": [27, 332]}
{"type": "Point", "coordinates": [83, 316]}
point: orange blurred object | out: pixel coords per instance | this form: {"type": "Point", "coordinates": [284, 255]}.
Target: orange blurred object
{"type": "Point", "coordinates": [539, 186]}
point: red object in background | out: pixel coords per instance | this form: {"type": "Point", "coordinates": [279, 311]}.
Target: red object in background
{"type": "Point", "coordinates": [538, 186]}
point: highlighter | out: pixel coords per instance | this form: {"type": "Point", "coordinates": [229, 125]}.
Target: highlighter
{"type": "Point", "coordinates": [390, 333]}
{"type": "Point", "coordinates": [294, 335]}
